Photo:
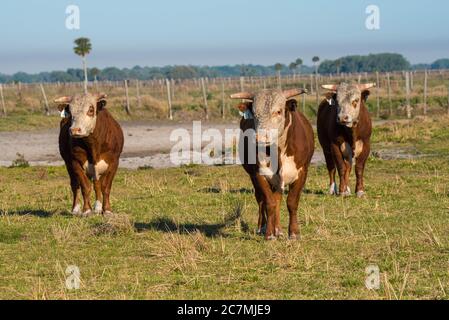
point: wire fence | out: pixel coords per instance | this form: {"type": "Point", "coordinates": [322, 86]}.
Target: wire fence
{"type": "Point", "coordinates": [397, 95]}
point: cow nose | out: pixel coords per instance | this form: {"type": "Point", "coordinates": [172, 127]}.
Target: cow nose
{"type": "Point", "coordinates": [344, 118]}
{"type": "Point", "coordinates": [75, 131]}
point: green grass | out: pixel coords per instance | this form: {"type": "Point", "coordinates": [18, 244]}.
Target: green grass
{"type": "Point", "coordinates": [188, 233]}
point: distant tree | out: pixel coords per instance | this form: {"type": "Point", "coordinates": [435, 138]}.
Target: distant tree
{"type": "Point", "coordinates": [94, 72]}
{"type": "Point", "coordinates": [440, 64]}
{"type": "Point", "coordinates": [299, 63]}
{"type": "Point", "coordinates": [83, 48]}
{"type": "Point", "coordinates": [293, 66]}
{"type": "Point", "coordinates": [315, 60]}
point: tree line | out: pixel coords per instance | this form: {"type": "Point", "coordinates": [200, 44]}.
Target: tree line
{"type": "Point", "coordinates": [350, 64]}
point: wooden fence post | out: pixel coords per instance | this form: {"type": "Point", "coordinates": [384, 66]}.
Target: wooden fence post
{"type": "Point", "coordinates": [242, 80]}
{"type": "Point", "coordinates": [47, 108]}
{"type": "Point", "coordinates": [2, 98]}
{"type": "Point", "coordinates": [407, 93]}
{"type": "Point", "coordinates": [206, 108]}
{"type": "Point", "coordinates": [389, 94]}
{"type": "Point", "coordinates": [170, 114]}
{"type": "Point", "coordinates": [304, 100]}
{"type": "Point", "coordinates": [127, 108]}
{"type": "Point", "coordinates": [425, 92]}
{"type": "Point", "coordinates": [223, 106]}
{"type": "Point", "coordinates": [378, 94]}
{"type": "Point", "coordinates": [139, 101]}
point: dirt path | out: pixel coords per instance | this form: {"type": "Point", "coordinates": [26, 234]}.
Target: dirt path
{"type": "Point", "coordinates": [146, 145]}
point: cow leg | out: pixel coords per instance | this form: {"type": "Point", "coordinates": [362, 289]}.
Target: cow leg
{"type": "Point", "coordinates": [262, 221]}
{"type": "Point", "coordinates": [330, 163]}
{"type": "Point", "coordinates": [75, 186]}
{"type": "Point", "coordinates": [292, 204]}
{"type": "Point", "coordinates": [106, 185]}
{"type": "Point", "coordinates": [360, 169]}
{"type": "Point", "coordinates": [341, 168]}
{"type": "Point", "coordinates": [269, 200]}
{"type": "Point", "coordinates": [98, 206]}
{"type": "Point", "coordinates": [277, 221]}
{"type": "Point", "coordinates": [86, 188]}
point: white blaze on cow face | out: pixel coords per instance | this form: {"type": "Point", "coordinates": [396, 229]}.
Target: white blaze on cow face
{"type": "Point", "coordinates": [269, 116]}
{"type": "Point", "coordinates": [83, 110]}
{"type": "Point", "coordinates": [349, 99]}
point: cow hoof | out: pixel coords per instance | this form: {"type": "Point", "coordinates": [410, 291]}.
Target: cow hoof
{"type": "Point", "coordinates": [361, 194]}
{"type": "Point", "coordinates": [107, 214]}
{"type": "Point", "coordinates": [347, 193]}
{"type": "Point", "coordinates": [293, 237]}
{"type": "Point", "coordinates": [86, 213]}
{"type": "Point", "coordinates": [77, 210]}
{"type": "Point", "coordinates": [333, 189]}
{"type": "Point", "coordinates": [271, 238]}
{"type": "Point", "coordinates": [98, 207]}
{"type": "Point", "coordinates": [279, 233]}
{"type": "Point", "coordinates": [261, 231]}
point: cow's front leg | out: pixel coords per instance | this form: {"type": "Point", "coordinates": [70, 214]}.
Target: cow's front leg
{"type": "Point", "coordinates": [98, 206]}
{"type": "Point", "coordinates": [277, 222]}
{"type": "Point", "coordinates": [270, 203]}
{"type": "Point", "coordinates": [341, 168]}
{"type": "Point", "coordinates": [86, 188]}
{"type": "Point", "coordinates": [360, 169]}
{"type": "Point", "coordinates": [262, 220]}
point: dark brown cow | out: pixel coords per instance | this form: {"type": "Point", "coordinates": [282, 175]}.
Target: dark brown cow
{"type": "Point", "coordinates": [277, 126]}
{"type": "Point", "coordinates": [344, 131]}
{"type": "Point", "coordinates": [90, 142]}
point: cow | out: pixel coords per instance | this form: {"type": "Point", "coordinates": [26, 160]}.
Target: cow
{"type": "Point", "coordinates": [344, 132]}
{"type": "Point", "coordinates": [90, 142]}
{"type": "Point", "coordinates": [278, 126]}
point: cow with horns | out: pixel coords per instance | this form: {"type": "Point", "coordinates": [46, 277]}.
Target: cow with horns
{"type": "Point", "coordinates": [344, 131]}
{"type": "Point", "coordinates": [285, 146]}
{"type": "Point", "coordinates": [90, 142]}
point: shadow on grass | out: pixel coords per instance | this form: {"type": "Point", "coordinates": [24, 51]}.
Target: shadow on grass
{"type": "Point", "coordinates": [209, 230]}
{"type": "Point", "coordinates": [25, 212]}
{"type": "Point", "coordinates": [251, 191]}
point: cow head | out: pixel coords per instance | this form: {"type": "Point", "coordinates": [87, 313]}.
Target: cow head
{"type": "Point", "coordinates": [348, 99]}
{"type": "Point", "coordinates": [82, 111]}
{"type": "Point", "coordinates": [269, 108]}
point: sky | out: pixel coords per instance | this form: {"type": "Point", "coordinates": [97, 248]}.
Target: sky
{"type": "Point", "coordinates": [34, 37]}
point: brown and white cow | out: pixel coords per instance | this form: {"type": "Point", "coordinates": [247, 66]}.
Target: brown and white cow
{"type": "Point", "coordinates": [278, 126]}
{"type": "Point", "coordinates": [90, 142]}
{"type": "Point", "coordinates": [344, 131]}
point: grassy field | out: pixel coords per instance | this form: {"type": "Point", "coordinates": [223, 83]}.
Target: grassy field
{"type": "Point", "coordinates": [189, 233]}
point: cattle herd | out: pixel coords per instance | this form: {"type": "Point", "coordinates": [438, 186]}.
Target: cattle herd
{"type": "Point", "coordinates": [91, 141]}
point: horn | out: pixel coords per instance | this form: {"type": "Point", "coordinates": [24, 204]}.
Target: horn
{"type": "Point", "coordinates": [243, 95]}
{"type": "Point", "coordinates": [101, 96]}
{"type": "Point", "coordinates": [331, 87]}
{"type": "Point", "coordinates": [293, 92]}
{"type": "Point", "coordinates": [63, 100]}
{"type": "Point", "coordinates": [366, 86]}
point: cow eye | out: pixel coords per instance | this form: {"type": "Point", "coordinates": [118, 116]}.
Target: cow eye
{"type": "Point", "coordinates": [91, 111]}
{"type": "Point", "coordinates": [355, 103]}
{"type": "Point", "coordinates": [279, 112]}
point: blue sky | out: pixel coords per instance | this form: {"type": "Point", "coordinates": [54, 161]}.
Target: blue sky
{"type": "Point", "coordinates": [216, 32]}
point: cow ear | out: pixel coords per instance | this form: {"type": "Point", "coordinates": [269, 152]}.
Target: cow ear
{"type": "Point", "coordinates": [291, 105]}
{"type": "Point", "coordinates": [365, 95]}
{"type": "Point", "coordinates": [63, 102]}
{"type": "Point", "coordinates": [101, 104]}
{"type": "Point", "coordinates": [101, 101]}
{"type": "Point", "coordinates": [244, 106]}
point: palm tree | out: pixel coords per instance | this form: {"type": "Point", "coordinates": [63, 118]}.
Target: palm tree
{"type": "Point", "coordinates": [82, 48]}
{"type": "Point", "coordinates": [315, 60]}
{"type": "Point", "coordinates": [292, 66]}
